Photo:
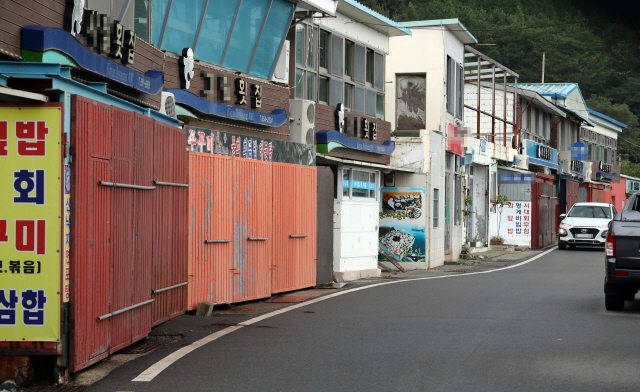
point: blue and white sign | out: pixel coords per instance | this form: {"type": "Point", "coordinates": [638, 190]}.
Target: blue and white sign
{"type": "Point", "coordinates": [360, 185]}
{"type": "Point", "coordinates": [541, 155]}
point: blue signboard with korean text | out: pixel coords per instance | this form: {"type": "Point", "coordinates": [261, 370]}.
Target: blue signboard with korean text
{"type": "Point", "coordinates": [541, 155]}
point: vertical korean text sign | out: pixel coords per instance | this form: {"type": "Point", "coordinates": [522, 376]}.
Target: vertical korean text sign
{"type": "Point", "coordinates": [30, 222]}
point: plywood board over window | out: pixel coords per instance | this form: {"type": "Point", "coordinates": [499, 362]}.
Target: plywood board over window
{"type": "Point", "coordinates": [411, 102]}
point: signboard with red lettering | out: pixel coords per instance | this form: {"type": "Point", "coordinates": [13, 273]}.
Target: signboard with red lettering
{"type": "Point", "coordinates": [30, 222]}
{"type": "Point", "coordinates": [515, 225]}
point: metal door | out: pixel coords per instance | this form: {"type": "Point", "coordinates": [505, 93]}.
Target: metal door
{"type": "Point", "coordinates": [211, 228]}
{"type": "Point", "coordinates": [287, 232]}
{"type": "Point", "coordinates": [253, 236]}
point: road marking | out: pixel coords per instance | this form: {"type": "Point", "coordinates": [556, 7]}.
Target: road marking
{"type": "Point", "coordinates": [167, 361]}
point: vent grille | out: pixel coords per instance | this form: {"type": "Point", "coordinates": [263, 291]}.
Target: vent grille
{"type": "Point", "coordinates": [170, 107]}
{"type": "Point", "coordinates": [311, 112]}
{"type": "Point", "coordinates": [310, 136]}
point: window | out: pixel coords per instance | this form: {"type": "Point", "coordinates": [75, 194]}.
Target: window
{"type": "Point", "coordinates": [459, 92]}
{"type": "Point", "coordinates": [348, 59]}
{"type": "Point", "coordinates": [311, 86]}
{"type": "Point", "coordinates": [305, 52]}
{"type": "Point", "coordinates": [380, 105]}
{"type": "Point", "coordinates": [323, 90]}
{"type": "Point", "coordinates": [450, 79]}
{"type": "Point", "coordinates": [336, 92]}
{"type": "Point", "coordinates": [346, 182]}
{"type": "Point", "coordinates": [435, 206]}
{"type": "Point", "coordinates": [372, 185]}
{"type": "Point", "coordinates": [371, 103]}
{"type": "Point", "coordinates": [141, 19]}
{"type": "Point", "coordinates": [336, 55]}
{"type": "Point", "coordinates": [358, 105]}
{"type": "Point", "coordinates": [359, 64]}
{"type": "Point", "coordinates": [324, 50]}
{"type": "Point", "coordinates": [529, 119]}
{"type": "Point", "coordinates": [299, 83]}
{"type": "Point", "coordinates": [211, 46]}
{"type": "Point", "coordinates": [348, 96]}
{"type": "Point", "coordinates": [457, 201]}
{"type": "Point", "coordinates": [369, 73]}
{"type": "Point", "coordinates": [378, 77]}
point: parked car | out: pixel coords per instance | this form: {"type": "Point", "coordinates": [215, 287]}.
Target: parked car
{"type": "Point", "coordinates": [586, 224]}
{"type": "Point", "coordinates": [622, 256]}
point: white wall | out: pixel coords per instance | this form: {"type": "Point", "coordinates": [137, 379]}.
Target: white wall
{"type": "Point", "coordinates": [355, 235]}
{"type": "Point", "coordinates": [410, 153]}
{"type": "Point", "coordinates": [355, 31]}
{"type": "Point", "coordinates": [436, 235]}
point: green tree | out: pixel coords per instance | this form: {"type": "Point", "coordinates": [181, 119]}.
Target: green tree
{"type": "Point", "coordinates": [410, 13]}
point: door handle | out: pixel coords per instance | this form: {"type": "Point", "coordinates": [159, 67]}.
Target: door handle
{"type": "Point", "coordinates": [256, 239]}
{"type": "Point", "coordinates": [216, 241]}
{"type": "Point", "coordinates": [298, 236]}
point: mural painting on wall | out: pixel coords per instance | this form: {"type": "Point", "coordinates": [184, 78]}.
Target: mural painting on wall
{"type": "Point", "coordinates": [515, 225]}
{"type": "Point", "coordinates": [402, 224]}
{"type": "Point", "coordinates": [241, 146]}
{"type": "Point", "coordinates": [411, 102]}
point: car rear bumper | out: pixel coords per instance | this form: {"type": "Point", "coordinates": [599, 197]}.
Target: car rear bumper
{"type": "Point", "coordinates": [619, 276]}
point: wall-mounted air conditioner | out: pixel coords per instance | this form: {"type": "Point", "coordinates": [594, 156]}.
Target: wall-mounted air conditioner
{"type": "Point", "coordinates": [588, 166]}
{"type": "Point", "coordinates": [564, 160]}
{"type": "Point", "coordinates": [303, 115]}
{"type": "Point", "coordinates": [168, 104]}
{"type": "Point", "coordinates": [521, 162]}
{"type": "Point", "coordinates": [281, 73]}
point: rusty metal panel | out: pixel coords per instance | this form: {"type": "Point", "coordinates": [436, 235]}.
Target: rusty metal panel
{"type": "Point", "coordinates": [122, 226]}
{"type": "Point", "coordinates": [90, 231]}
{"type": "Point", "coordinates": [572, 194]}
{"type": "Point", "coordinates": [210, 219]}
{"type": "Point", "coordinates": [142, 261]}
{"type": "Point", "coordinates": [169, 223]}
{"type": "Point", "coordinates": [253, 236]}
{"type": "Point", "coordinates": [286, 223]}
{"type": "Point", "coordinates": [308, 226]}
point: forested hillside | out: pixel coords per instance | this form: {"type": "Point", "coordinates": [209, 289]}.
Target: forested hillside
{"type": "Point", "coordinates": [593, 43]}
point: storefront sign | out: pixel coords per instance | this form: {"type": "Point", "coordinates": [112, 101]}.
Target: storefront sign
{"type": "Point", "coordinates": [359, 127]}
{"type": "Point", "coordinates": [515, 223]}
{"type": "Point", "coordinates": [577, 166]}
{"type": "Point", "coordinates": [30, 222]}
{"type": "Point", "coordinates": [36, 40]}
{"type": "Point", "coordinates": [603, 167]}
{"type": "Point", "coordinates": [402, 224]}
{"type": "Point", "coordinates": [540, 154]}
{"type": "Point", "coordinates": [543, 152]}
{"type": "Point", "coordinates": [257, 148]}
{"type": "Point", "coordinates": [328, 140]}
{"type": "Point", "coordinates": [275, 119]}
{"type": "Point", "coordinates": [218, 88]}
{"type": "Point", "coordinates": [66, 276]}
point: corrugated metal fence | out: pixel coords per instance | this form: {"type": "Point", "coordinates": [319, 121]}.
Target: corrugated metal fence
{"type": "Point", "coordinates": [116, 223]}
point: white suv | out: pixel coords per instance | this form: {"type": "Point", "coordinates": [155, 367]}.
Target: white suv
{"type": "Point", "coordinates": [586, 224]}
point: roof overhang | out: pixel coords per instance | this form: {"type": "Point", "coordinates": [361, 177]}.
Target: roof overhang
{"type": "Point", "coordinates": [607, 121]}
{"type": "Point", "coordinates": [577, 115]}
{"type": "Point", "coordinates": [327, 159]}
{"type": "Point", "coordinates": [327, 7]}
{"type": "Point", "coordinates": [453, 25]}
{"type": "Point", "coordinates": [370, 18]}
{"type": "Point", "coordinates": [532, 95]}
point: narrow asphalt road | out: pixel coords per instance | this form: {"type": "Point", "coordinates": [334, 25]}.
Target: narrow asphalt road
{"type": "Point", "coordinates": [541, 326]}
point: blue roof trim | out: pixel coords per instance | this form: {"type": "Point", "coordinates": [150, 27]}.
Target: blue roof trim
{"type": "Point", "coordinates": [42, 38]}
{"type": "Point", "coordinates": [382, 18]}
{"type": "Point", "coordinates": [575, 112]}
{"type": "Point", "coordinates": [553, 90]}
{"type": "Point", "coordinates": [276, 118]}
{"type": "Point", "coordinates": [605, 117]}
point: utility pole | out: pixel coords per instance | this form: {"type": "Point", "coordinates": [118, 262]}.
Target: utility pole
{"type": "Point", "coordinates": [543, 53]}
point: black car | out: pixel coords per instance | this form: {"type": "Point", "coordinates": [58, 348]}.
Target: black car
{"type": "Point", "coordinates": [622, 256]}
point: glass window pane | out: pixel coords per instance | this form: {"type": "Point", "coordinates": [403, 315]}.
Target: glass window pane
{"type": "Point", "coordinates": [300, 44]}
{"type": "Point", "coordinates": [215, 30]}
{"type": "Point", "coordinates": [360, 184]}
{"type": "Point", "coordinates": [346, 182]}
{"type": "Point", "coordinates": [311, 90]}
{"type": "Point", "coordinates": [311, 47]}
{"type": "Point", "coordinates": [380, 105]}
{"type": "Point", "coordinates": [299, 83]}
{"type": "Point", "coordinates": [158, 12]}
{"type": "Point", "coordinates": [371, 103]}
{"type": "Point", "coordinates": [182, 25]}
{"type": "Point", "coordinates": [336, 92]}
{"type": "Point", "coordinates": [372, 186]}
{"type": "Point", "coordinates": [348, 58]}
{"type": "Point", "coordinates": [359, 64]}
{"type": "Point", "coordinates": [323, 89]}
{"type": "Point", "coordinates": [348, 95]}
{"type": "Point", "coordinates": [271, 41]}
{"type": "Point", "coordinates": [245, 34]}
{"type": "Point", "coordinates": [141, 23]}
{"type": "Point", "coordinates": [379, 71]}
{"type": "Point", "coordinates": [358, 105]}
{"type": "Point", "coordinates": [336, 55]}
{"type": "Point", "coordinates": [369, 66]}
{"type": "Point", "coordinates": [324, 49]}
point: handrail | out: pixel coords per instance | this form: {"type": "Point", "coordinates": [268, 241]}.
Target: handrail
{"type": "Point", "coordinates": [106, 316]}
{"type": "Point", "coordinates": [118, 185]}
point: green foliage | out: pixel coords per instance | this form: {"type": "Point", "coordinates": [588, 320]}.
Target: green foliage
{"type": "Point", "coordinates": [499, 202]}
{"type": "Point", "coordinates": [497, 238]}
{"type": "Point", "coordinates": [630, 169]}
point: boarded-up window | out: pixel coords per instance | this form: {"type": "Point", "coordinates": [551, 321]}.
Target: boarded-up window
{"type": "Point", "coordinates": [411, 102]}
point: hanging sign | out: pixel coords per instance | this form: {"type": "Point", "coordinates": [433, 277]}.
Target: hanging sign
{"type": "Point", "coordinates": [30, 222]}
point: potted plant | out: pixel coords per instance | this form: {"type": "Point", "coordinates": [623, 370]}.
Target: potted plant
{"type": "Point", "coordinates": [476, 243]}
{"type": "Point", "coordinates": [499, 203]}
{"type": "Point", "coordinates": [497, 240]}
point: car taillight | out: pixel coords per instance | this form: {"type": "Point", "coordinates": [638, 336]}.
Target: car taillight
{"type": "Point", "coordinates": [610, 247]}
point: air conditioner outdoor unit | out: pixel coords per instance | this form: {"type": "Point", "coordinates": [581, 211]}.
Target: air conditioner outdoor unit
{"type": "Point", "coordinates": [303, 115]}
{"type": "Point", "coordinates": [522, 162]}
{"type": "Point", "coordinates": [564, 158]}
{"type": "Point", "coordinates": [168, 104]}
{"type": "Point", "coordinates": [281, 73]}
{"type": "Point", "coordinates": [587, 171]}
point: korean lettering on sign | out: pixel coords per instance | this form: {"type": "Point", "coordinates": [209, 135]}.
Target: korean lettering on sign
{"type": "Point", "coordinates": [242, 90]}
{"type": "Point", "coordinates": [516, 220]}
{"type": "Point", "coordinates": [112, 38]}
{"type": "Point", "coordinates": [30, 222]}
{"type": "Point", "coordinates": [543, 152]}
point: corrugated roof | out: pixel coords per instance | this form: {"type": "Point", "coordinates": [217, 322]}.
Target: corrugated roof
{"type": "Point", "coordinates": [580, 116]}
{"type": "Point", "coordinates": [369, 17]}
{"type": "Point", "coordinates": [553, 90]}
{"type": "Point", "coordinates": [454, 25]}
{"type": "Point", "coordinates": [607, 118]}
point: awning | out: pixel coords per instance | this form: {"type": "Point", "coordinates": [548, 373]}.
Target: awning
{"type": "Point", "coordinates": [323, 157]}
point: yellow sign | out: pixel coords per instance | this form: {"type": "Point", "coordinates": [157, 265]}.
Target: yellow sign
{"type": "Point", "coordinates": [30, 222]}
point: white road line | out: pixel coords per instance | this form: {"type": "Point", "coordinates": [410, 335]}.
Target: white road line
{"type": "Point", "coordinates": [167, 361]}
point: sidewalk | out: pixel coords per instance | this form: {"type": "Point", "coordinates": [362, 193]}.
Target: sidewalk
{"type": "Point", "coordinates": [188, 328]}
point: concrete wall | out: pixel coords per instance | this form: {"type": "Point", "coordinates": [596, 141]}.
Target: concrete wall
{"type": "Point", "coordinates": [410, 153]}
{"type": "Point", "coordinates": [436, 179]}
{"type": "Point", "coordinates": [324, 264]}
